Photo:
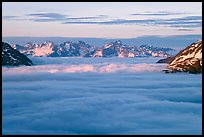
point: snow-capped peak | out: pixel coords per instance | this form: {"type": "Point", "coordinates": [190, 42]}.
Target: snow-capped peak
{"type": "Point", "coordinates": [83, 49]}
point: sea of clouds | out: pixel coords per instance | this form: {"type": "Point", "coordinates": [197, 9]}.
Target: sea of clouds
{"type": "Point", "coordinates": [100, 96]}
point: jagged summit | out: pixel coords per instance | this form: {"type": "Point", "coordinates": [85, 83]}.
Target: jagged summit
{"type": "Point", "coordinates": [83, 49]}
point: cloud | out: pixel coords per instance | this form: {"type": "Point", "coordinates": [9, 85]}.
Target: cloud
{"type": "Point", "coordinates": [87, 18]}
{"type": "Point", "coordinates": [46, 20]}
{"type": "Point", "coordinates": [102, 68]}
{"type": "Point", "coordinates": [188, 21]}
{"type": "Point", "coordinates": [160, 13]}
{"type": "Point", "coordinates": [179, 22]}
{"type": "Point", "coordinates": [187, 18]}
{"type": "Point", "coordinates": [9, 17]}
{"type": "Point", "coordinates": [184, 29]}
{"type": "Point", "coordinates": [99, 103]}
{"type": "Point", "coordinates": [183, 22]}
{"type": "Point", "coordinates": [47, 15]}
{"type": "Point", "coordinates": [114, 22]}
{"type": "Point", "coordinates": [187, 26]}
{"type": "Point", "coordinates": [17, 18]}
{"type": "Point", "coordinates": [64, 17]}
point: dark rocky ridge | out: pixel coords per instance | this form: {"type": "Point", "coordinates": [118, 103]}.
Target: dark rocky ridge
{"type": "Point", "coordinates": [12, 57]}
{"type": "Point", "coordinates": [167, 60]}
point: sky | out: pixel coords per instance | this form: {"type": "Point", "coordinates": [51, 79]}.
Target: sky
{"type": "Point", "coordinates": [101, 19]}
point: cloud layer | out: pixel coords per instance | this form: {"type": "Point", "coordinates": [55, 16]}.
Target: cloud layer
{"type": "Point", "coordinates": [159, 13]}
{"type": "Point", "coordinates": [185, 22]}
{"type": "Point", "coordinates": [39, 102]}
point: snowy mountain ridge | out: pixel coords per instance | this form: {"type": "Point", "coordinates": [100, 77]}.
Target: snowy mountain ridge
{"type": "Point", "coordinates": [83, 49]}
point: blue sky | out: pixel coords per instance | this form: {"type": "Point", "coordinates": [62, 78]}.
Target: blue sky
{"type": "Point", "coordinates": [101, 19]}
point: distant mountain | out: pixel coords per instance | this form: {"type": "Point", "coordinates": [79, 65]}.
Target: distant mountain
{"type": "Point", "coordinates": [188, 59]}
{"type": "Point", "coordinates": [70, 49]}
{"type": "Point", "coordinates": [118, 49]}
{"type": "Point", "coordinates": [83, 49]}
{"type": "Point", "coordinates": [176, 41]}
{"type": "Point", "coordinates": [110, 50]}
{"type": "Point", "coordinates": [49, 49]}
{"type": "Point", "coordinates": [12, 57]}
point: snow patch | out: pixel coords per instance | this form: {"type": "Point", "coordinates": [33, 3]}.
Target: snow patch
{"type": "Point", "coordinates": [43, 51]}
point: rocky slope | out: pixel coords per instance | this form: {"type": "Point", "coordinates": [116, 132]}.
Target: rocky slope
{"type": "Point", "coordinates": [12, 57]}
{"type": "Point", "coordinates": [188, 59]}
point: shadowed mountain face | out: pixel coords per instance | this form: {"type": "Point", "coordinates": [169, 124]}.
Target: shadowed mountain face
{"type": "Point", "coordinates": [188, 60]}
{"type": "Point", "coordinates": [12, 57]}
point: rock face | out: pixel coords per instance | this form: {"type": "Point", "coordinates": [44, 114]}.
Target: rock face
{"type": "Point", "coordinates": [12, 57]}
{"type": "Point", "coordinates": [167, 60]}
{"type": "Point", "coordinates": [82, 49]}
{"type": "Point", "coordinates": [188, 60]}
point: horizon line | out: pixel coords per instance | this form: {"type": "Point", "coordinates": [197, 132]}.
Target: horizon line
{"type": "Point", "coordinates": [101, 37]}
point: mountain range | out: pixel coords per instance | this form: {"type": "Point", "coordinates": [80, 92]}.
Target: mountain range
{"type": "Point", "coordinates": [174, 41]}
{"type": "Point", "coordinates": [83, 49]}
{"type": "Point", "coordinates": [187, 60]}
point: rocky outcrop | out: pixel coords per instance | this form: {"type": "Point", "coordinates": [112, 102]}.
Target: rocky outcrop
{"type": "Point", "coordinates": [188, 59]}
{"type": "Point", "coordinates": [12, 57]}
{"type": "Point", "coordinates": [167, 60]}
